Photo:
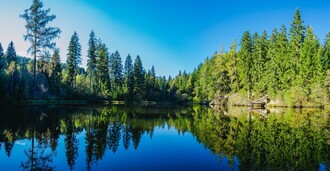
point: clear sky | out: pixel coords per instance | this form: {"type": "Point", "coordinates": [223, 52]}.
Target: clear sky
{"type": "Point", "coordinates": [172, 35]}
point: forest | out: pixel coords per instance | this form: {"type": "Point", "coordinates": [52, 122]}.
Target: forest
{"type": "Point", "coordinates": [288, 67]}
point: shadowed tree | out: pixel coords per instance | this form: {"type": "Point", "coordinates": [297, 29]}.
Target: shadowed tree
{"type": "Point", "coordinates": [129, 77]}
{"type": "Point", "coordinates": [12, 64]}
{"type": "Point", "coordinates": [73, 60]}
{"type": "Point", "coordinates": [2, 59]}
{"type": "Point", "coordinates": [39, 34]}
{"type": "Point", "coordinates": [91, 61]}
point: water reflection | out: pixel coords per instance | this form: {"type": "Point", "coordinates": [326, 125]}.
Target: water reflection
{"type": "Point", "coordinates": [251, 140]}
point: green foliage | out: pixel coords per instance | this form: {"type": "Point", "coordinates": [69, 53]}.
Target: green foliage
{"type": "Point", "coordinates": [39, 34]}
{"type": "Point", "coordinates": [73, 60]}
{"type": "Point", "coordinates": [128, 78]}
{"type": "Point", "coordinates": [139, 81]}
{"type": "Point", "coordinates": [103, 70]}
{"type": "Point", "coordinates": [3, 62]}
{"type": "Point", "coordinates": [91, 61]}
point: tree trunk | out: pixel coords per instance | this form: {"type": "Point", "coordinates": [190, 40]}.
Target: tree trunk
{"type": "Point", "coordinates": [34, 67]}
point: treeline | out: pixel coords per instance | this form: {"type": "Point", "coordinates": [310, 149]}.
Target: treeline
{"type": "Point", "coordinates": [287, 67]}
{"type": "Point", "coordinates": [105, 78]}
{"type": "Point", "coordinates": [45, 77]}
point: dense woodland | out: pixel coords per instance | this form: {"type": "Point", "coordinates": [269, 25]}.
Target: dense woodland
{"type": "Point", "coordinates": [289, 67]}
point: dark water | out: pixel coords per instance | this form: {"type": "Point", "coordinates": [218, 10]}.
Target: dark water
{"type": "Point", "coordinates": [159, 138]}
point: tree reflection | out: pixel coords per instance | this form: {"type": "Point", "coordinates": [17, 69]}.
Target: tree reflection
{"type": "Point", "coordinates": [279, 140]}
{"type": "Point", "coordinates": [71, 142]}
{"type": "Point", "coordinates": [38, 158]}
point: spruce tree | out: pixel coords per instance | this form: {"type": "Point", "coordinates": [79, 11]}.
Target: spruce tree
{"type": "Point", "coordinates": [296, 36]}
{"type": "Point", "coordinates": [138, 79]}
{"type": "Point", "coordinates": [3, 62]}
{"type": "Point", "coordinates": [286, 70]}
{"type": "Point", "coordinates": [91, 61]}
{"type": "Point", "coordinates": [103, 70]}
{"type": "Point", "coordinates": [245, 62]}
{"type": "Point", "coordinates": [73, 59]}
{"type": "Point", "coordinates": [129, 77]}
{"type": "Point", "coordinates": [307, 64]}
{"type": "Point", "coordinates": [56, 72]}
{"type": "Point", "coordinates": [273, 70]}
{"type": "Point", "coordinates": [12, 65]}
{"type": "Point", "coordinates": [232, 67]}
{"type": "Point", "coordinates": [116, 69]}
{"type": "Point", "coordinates": [326, 59]}
{"type": "Point", "coordinates": [260, 48]}
{"type": "Point", "coordinates": [39, 34]}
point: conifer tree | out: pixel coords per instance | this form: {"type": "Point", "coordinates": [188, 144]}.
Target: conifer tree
{"type": "Point", "coordinates": [91, 61]}
{"type": "Point", "coordinates": [56, 72]}
{"type": "Point", "coordinates": [139, 83]}
{"type": "Point", "coordinates": [2, 59]}
{"type": "Point", "coordinates": [326, 59]}
{"type": "Point", "coordinates": [296, 36]}
{"type": "Point", "coordinates": [306, 63]}
{"type": "Point", "coordinates": [103, 70]}
{"type": "Point", "coordinates": [116, 69]}
{"type": "Point", "coordinates": [12, 64]}
{"type": "Point", "coordinates": [232, 65]}
{"type": "Point", "coordinates": [245, 62]}
{"type": "Point", "coordinates": [260, 49]}
{"type": "Point", "coordinates": [73, 59]}
{"type": "Point", "coordinates": [39, 34]}
{"type": "Point", "coordinates": [129, 77]}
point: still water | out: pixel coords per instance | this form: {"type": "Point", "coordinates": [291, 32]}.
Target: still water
{"type": "Point", "coordinates": [162, 138]}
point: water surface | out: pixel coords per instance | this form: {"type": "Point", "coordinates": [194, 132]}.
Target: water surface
{"type": "Point", "coordinates": [162, 138]}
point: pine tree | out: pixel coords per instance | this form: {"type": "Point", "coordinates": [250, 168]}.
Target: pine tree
{"type": "Point", "coordinates": [2, 59]}
{"type": "Point", "coordinates": [286, 70]}
{"type": "Point", "coordinates": [232, 67]}
{"type": "Point", "coordinates": [12, 65]}
{"type": "Point", "coordinates": [91, 61]}
{"type": "Point", "coordinates": [245, 62]}
{"type": "Point", "coordinates": [308, 60]}
{"type": "Point", "coordinates": [129, 77]}
{"type": "Point", "coordinates": [116, 69]}
{"type": "Point", "coordinates": [150, 84]}
{"type": "Point", "coordinates": [56, 72]}
{"type": "Point", "coordinates": [138, 79]}
{"type": "Point", "coordinates": [103, 70]}
{"type": "Point", "coordinates": [73, 59]}
{"type": "Point", "coordinates": [296, 36]}
{"type": "Point", "coordinates": [326, 59]}
{"type": "Point", "coordinates": [38, 33]}
{"type": "Point", "coordinates": [260, 48]}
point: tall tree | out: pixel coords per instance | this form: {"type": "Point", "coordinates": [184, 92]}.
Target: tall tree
{"type": "Point", "coordinates": [103, 70]}
{"type": "Point", "coordinates": [326, 59]}
{"type": "Point", "coordinates": [39, 34]}
{"type": "Point", "coordinates": [73, 59]}
{"type": "Point", "coordinates": [2, 59]}
{"type": "Point", "coordinates": [12, 64]}
{"type": "Point", "coordinates": [138, 78]}
{"type": "Point", "coordinates": [309, 61]}
{"type": "Point", "coordinates": [129, 77]}
{"type": "Point", "coordinates": [296, 36]}
{"type": "Point", "coordinates": [56, 72]}
{"type": "Point", "coordinates": [116, 68]}
{"type": "Point", "coordinates": [232, 64]}
{"type": "Point", "coordinates": [245, 62]}
{"type": "Point", "coordinates": [91, 61]}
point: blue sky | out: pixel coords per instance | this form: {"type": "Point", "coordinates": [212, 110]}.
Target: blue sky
{"type": "Point", "coordinates": [172, 35]}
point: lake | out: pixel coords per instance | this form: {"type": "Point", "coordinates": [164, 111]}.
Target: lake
{"type": "Point", "coordinates": [162, 138]}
